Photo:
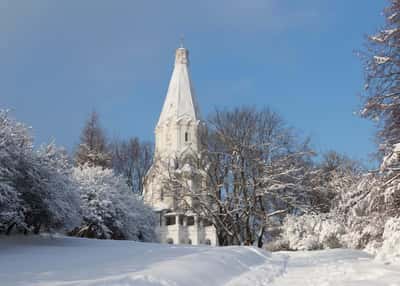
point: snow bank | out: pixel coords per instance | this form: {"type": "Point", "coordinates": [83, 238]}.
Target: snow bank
{"type": "Point", "coordinates": [207, 267]}
{"type": "Point", "coordinates": [34, 261]}
{"type": "Point", "coordinates": [311, 232]}
{"type": "Point", "coordinates": [84, 262]}
{"type": "Point", "coordinates": [390, 251]}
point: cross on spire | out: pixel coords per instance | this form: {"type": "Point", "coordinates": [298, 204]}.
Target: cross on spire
{"type": "Point", "coordinates": [182, 40]}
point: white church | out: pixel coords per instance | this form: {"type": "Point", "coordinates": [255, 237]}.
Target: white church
{"type": "Point", "coordinates": [178, 145]}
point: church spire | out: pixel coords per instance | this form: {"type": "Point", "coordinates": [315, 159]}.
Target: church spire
{"type": "Point", "coordinates": [180, 100]}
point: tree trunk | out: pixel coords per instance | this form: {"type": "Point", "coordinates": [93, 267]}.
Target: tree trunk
{"type": "Point", "coordinates": [9, 229]}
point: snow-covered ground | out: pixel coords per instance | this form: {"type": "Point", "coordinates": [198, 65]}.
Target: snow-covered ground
{"type": "Point", "coordinates": [337, 267]}
{"type": "Point", "coordinates": [72, 261]}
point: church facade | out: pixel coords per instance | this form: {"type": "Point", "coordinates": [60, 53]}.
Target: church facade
{"type": "Point", "coordinates": [174, 181]}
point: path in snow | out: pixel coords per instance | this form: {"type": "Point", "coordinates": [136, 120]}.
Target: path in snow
{"type": "Point", "coordinates": [338, 267]}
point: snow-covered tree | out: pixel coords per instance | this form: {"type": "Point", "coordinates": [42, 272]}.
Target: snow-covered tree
{"type": "Point", "coordinates": [63, 197]}
{"type": "Point", "coordinates": [260, 167]}
{"type": "Point", "coordinates": [110, 209]}
{"type": "Point", "coordinates": [362, 204]}
{"type": "Point", "coordinates": [374, 198]}
{"type": "Point", "coordinates": [15, 147]}
{"type": "Point", "coordinates": [311, 232]}
{"type": "Point", "coordinates": [390, 251]}
{"type": "Point", "coordinates": [49, 195]}
{"type": "Point", "coordinates": [253, 170]}
{"type": "Point", "coordinates": [93, 149]}
{"type": "Point", "coordinates": [36, 192]}
{"type": "Point", "coordinates": [334, 176]}
{"type": "Point", "coordinates": [381, 60]}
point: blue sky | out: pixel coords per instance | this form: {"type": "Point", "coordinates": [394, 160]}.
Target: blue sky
{"type": "Point", "coordinates": [59, 60]}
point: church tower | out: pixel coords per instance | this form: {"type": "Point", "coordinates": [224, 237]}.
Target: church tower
{"type": "Point", "coordinates": [178, 143]}
{"type": "Point", "coordinates": [178, 128]}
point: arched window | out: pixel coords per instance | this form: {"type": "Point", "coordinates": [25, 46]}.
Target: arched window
{"type": "Point", "coordinates": [186, 137]}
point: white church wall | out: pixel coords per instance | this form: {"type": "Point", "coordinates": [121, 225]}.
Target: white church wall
{"type": "Point", "coordinates": [211, 235]}
{"type": "Point", "coordinates": [181, 233]}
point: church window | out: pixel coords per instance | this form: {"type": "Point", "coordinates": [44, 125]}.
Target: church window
{"type": "Point", "coordinates": [170, 220]}
{"type": "Point", "coordinates": [190, 220]}
{"type": "Point", "coordinates": [186, 136]}
{"type": "Point", "coordinates": [206, 222]}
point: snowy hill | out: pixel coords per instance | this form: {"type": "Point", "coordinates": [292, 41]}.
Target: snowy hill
{"type": "Point", "coordinates": [72, 261]}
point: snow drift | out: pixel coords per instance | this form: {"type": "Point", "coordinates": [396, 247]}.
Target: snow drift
{"type": "Point", "coordinates": [66, 261]}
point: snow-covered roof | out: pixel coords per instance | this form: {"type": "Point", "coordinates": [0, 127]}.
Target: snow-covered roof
{"type": "Point", "coordinates": [180, 101]}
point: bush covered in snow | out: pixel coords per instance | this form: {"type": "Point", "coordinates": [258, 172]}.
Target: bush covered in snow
{"type": "Point", "coordinates": [110, 209]}
{"type": "Point", "coordinates": [40, 191]}
{"type": "Point", "coordinates": [36, 192]}
{"type": "Point", "coordinates": [15, 151]}
{"type": "Point", "coordinates": [390, 251]}
{"type": "Point", "coordinates": [311, 232]}
{"type": "Point", "coordinates": [363, 215]}
{"type": "Point", "coordinates": [357, 221]}
{"type": "Point", "coordinates": [371, 203]}
{"type": "Point", "coordinates": [61, 197]}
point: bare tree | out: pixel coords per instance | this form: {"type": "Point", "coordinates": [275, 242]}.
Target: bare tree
{"type": "Point", "coordinates": [93, 149]}
{"type": "Point", "coordinates": [253, 170]}
{"type": "Point", "coordinates": [132, 159]}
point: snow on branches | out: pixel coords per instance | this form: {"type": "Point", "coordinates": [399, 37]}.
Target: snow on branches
{"type": "Point", "coordinates": [110, 209]}
{"type": "Point", "coordinates": [40, 191]}
{"type": "Point", "coordinates": [93, 149]}
{"type": "Point", "coordinates": [35, 191]}
{"type": "Point", "coordinates": [311, 232]}
{"type": "Point", "coordinates": [15, 145]}
{"type": "Point", "coordinates": [384, 35]}
{"type": "Point", "coordinates": [390, 251]}
{"type": "Point", "coordinates": [254, 169]}
{"type": "Point", "coordinates": [381, 60]}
